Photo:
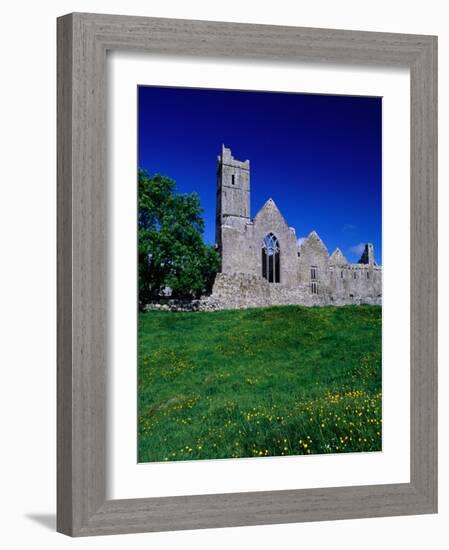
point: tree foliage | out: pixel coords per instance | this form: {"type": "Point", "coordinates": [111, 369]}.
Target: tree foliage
{"type": "Point", "coordinates": [172, 253]}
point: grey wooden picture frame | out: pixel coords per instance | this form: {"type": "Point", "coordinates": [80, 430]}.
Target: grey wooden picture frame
{"type": "Point", "coordinates": [83, 41]}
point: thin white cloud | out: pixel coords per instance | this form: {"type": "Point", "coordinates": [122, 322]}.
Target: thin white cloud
{"type": "Point", "coordinates": [349, 228]}
{"type": "Point", "coordinates": [358, 249]}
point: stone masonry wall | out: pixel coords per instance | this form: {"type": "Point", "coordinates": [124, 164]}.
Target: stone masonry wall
{"type": "Point", "coordinates": [239, 290]}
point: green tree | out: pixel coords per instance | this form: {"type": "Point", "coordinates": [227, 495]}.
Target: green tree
{"type": "Point", "coordinates": [171, 248]}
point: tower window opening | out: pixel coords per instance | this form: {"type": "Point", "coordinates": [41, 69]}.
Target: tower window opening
{"type": "Point", "coordinates": [314, 279]}
{"type": "Point", "coordinates": [233, 179]}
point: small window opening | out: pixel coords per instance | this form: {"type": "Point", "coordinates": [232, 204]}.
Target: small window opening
{"type": "Point", "coordinates": [341, 274]}
{"type": "Point", "coordinates": [354, 275]}
{"type": "Point", "coordinates": [233, 179]}
{"type": "Point", "coordinates": [314, 273]}
{"type": "Point", "coordinates": [314, 287]}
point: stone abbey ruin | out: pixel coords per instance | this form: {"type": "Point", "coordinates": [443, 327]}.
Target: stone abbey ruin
{"type": "Point", "coordinates": [262, 263]}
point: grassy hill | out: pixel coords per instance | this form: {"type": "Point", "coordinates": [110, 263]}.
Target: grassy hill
{"type": "Point", "coordinates": [259, 382]}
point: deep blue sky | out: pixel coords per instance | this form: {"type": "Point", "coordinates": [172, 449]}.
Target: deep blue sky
{"type": "Point", "coordinates": [317, 156]}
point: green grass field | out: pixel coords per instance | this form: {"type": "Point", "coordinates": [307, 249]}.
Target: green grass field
{"type": "Point", "coordinates": [259, 382]}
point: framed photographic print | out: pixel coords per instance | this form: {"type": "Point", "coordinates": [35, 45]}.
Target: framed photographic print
{"type": "Point", "coordinates": [247, 274]}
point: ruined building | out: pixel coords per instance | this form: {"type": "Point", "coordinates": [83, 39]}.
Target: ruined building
{"type": "Point", "coordinates": [263, 264]}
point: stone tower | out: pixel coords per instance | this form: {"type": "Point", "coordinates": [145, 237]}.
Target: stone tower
{"type": "Point", "coordinates": [233, 193]}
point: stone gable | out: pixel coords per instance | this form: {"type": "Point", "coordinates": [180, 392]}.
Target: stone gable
{"type": "Point", "coordinates": [337, 258]}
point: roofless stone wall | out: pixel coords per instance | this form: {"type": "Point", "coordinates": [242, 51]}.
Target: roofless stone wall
{"type": "Point", "coordinates": [239, 290]}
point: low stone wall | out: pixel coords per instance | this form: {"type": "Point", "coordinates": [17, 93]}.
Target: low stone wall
{"type": "Point", "coordinates": [206, 303]}
{"type": "Point", "coordinates": [240, 291]}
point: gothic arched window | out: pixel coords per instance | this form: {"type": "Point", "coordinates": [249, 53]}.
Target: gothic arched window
{"type": "Point", "coordinates": [271, 263]}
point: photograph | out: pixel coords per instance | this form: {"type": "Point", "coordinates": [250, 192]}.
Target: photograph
{"type": "Point", "coordinates": [259, 274]}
